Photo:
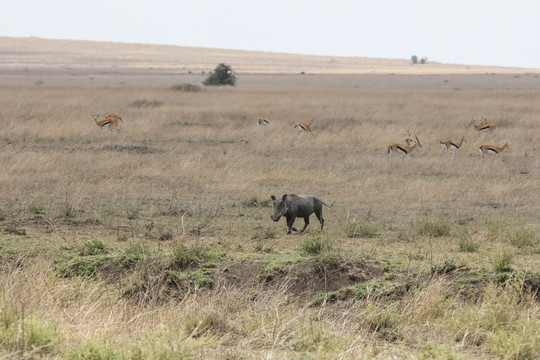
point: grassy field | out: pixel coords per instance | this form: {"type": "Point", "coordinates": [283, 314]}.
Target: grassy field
{"type": "Point", "coordinates": [156, 242]}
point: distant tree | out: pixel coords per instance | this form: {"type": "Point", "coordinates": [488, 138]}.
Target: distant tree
{"type": "Point", "coordinates": [414, 59]}
{"type": "Point", "coordinates": [222, 75]}
{"type": "Point", "coordinates": [423, 60]}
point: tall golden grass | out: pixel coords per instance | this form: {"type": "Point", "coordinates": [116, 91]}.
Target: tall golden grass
{"type": "Point", "coordinates": [193, 169]}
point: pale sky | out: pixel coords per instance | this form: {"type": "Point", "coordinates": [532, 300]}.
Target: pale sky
{"type": "Point", "coordinates": [472, 32]}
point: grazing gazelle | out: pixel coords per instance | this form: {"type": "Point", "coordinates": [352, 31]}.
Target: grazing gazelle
{"type": "Point", "coordinates": [483, 125]}
{"type": "Point", "coordinates": [264, 120]}
{"type": "Point", "coordinates": [492, 149]}
{"type": "Point", "coordinates": [303, 126]}
{"type": "Point", "coordinates": [403, 149]}
{"type": "Point", "coordinates": [108, 120]}
{"type": "Point", "coordinates": [451, 145]}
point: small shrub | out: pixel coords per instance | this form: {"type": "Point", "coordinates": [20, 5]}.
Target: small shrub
{"type": "Point", "coordinates": [222, 75]}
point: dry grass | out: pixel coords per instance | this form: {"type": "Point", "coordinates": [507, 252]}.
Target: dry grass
{"type": "Point", "coordinates": [148, 243]}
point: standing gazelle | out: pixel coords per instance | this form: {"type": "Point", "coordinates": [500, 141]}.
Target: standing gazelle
{"type": "Point", "coordinates": [408, 139]}
{"type": "Point", "coordinates": [403, 149]}
{"type": "Point", "coordinates": [108, 120]}
{"type": "Point", "coordinates": [451, 145]}
{"type": "Point", "coordinates": [492, 149]}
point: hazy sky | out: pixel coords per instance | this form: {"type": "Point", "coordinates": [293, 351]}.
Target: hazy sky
{"type": "Point", "coordinates": [475, 32]}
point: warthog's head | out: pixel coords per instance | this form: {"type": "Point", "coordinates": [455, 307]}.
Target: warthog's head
{"type": "Point", "coordinates": [280, 207]}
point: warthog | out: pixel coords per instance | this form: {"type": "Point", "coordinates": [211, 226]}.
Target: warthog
{"type": "Point", "coordinates": [292, 206]}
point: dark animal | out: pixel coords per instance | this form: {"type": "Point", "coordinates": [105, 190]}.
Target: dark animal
{"type": "Point", "coordinates": [292, 206]}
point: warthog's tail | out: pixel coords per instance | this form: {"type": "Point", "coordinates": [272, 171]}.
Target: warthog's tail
{"type": "Point", "coordinates": [325, 204]}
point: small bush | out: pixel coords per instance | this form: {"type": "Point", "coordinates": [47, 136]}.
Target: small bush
{"type": "Point", "coordinates": [222, 75]}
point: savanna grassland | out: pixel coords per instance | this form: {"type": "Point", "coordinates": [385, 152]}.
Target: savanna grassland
{"type": "Point", "coordinates": [156, 242]}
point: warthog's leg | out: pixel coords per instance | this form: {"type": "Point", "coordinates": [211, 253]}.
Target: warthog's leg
{"type": "Point", "coordinates": [306, 223]}
{"type": "Point", "coordinates": [290, 222]}
{"type": "Point", "coordinates": [319, 216]}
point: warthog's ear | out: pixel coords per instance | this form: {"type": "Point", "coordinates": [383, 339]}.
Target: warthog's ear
{"type": "Point", "coordinates": [284, 197]}
{"type": "Point", "coordinates": [273, 198]}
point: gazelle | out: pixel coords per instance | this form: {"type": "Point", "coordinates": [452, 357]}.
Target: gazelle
{"type": "Point", "coordinates": [108, 120]}
{"type": "Point", "coordinates": [451, 145]}
{"type": "Point", "coordinates": [408, 139]}
{"type": "Point", "coordinates": [403, 149]}
{"type": "Point", "coordinates": [264, 120]}
{"type": "Point", "coordinates": [303, 126]}
{"type": "Point", "coordinates": [492, 149]}
{"type": "Point", "coordinates": [483, 125]}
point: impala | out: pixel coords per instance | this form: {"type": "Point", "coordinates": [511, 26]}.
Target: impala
{"type": "Point", "coordinates": [303, 126]}
{"type": "Point", "coordinates": [492, 149]}
{"type": "Point", "coordinates": [483, 125]}
{"type": "Point", "coordinates": [451, 145]}
{"type": "Point", "coordinates": [108, 120]}
{"type": "Point", "coordinates": [403, 149]}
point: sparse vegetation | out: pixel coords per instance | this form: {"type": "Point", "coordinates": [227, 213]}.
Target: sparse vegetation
{"type": "Point", "coordinates": [156, 241]}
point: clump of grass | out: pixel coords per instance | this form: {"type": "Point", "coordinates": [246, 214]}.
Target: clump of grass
{"type": "Point", "coordinates": [496, 229]}
{"type": "Point", "coordinates": [502, 261]}
{"type": "Point", "coordinates": [523, 238]}
{"type": "Point", "coordinates": [466, 242]}
{"type": "Point", "coordinates": [186, 88]}
{"type": "Point", "coordinates": [316, 244]}
{"type": "Point", "coordinates": [37, 209]}
{"type": "Point", "coordinates": [434, 228]}
{"type": "Point", "coordinates": [266, 233]}
{"type": "Point", "coordinates": [254, 201]}
{"type": "Point", "coordinates": [183, 256]}
{"type": "Point", "coordinates": [97, 349]}
{"type": "Point", "coordinates": [93, 247]}
{"type": "Point", "coordinates": [382, 320]}
{"type": "Point", "coordinates": [362, 229]}
{"type": "Point", "coordinates": [30, 335]}
{"type": "Point", "coordinates": [140, 103]}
